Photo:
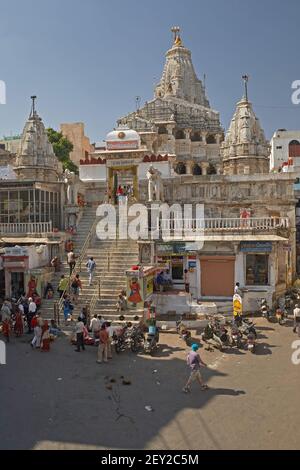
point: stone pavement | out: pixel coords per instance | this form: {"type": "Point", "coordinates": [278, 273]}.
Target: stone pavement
{"type": "Point", "coordinates": [60, 400]}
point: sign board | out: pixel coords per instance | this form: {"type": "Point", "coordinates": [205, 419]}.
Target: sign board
{"type": "Point", "coordinates": [125, 145]}
{"type": "Point", "coordinates": [16, 251]}
{"type": "Point", "coordinates": [256, 247]}
{"type": "Point", "coordinates": [174, 248]}
{"type": "Point", "coordinates": [121, 162]}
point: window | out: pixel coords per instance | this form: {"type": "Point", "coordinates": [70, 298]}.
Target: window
{"type": "Point", "coordinates": [257, 270]}
{"type": "Point", "coordinates": [279, 147]}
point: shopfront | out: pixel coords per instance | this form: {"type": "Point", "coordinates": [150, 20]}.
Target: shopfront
{"type": "Point", "coordinates": [15, 264]}
{"type": "Point", "coordinates": [176, 257]}
{"type": "Point", "coordinates": [217, 276]}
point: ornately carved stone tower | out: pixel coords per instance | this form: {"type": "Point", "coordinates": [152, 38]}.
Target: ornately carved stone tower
{"type": "Point", "coordinates": [179, 121]}
{"type": "Point", "coordinates": [35, 157]}
{"type": "Point", "coordinates": [245, 149]}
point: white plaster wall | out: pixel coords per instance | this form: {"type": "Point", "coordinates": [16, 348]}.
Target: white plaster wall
{"type": "Point", "coordinates": [37, 260]}
{"type": "Point", "coordinates": [278, 156]}
{"type": "Point", "coordinates": [92, 172]}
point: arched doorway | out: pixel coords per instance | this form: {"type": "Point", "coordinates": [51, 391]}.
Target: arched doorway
{"type": "Point", "coordinates": [180, 168]}
{"type": "Point", "coordinates": [211, 170]}
{"type": "Point", "coordinates": [196, 170]}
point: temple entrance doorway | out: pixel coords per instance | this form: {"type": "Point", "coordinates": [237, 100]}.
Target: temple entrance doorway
{"type": "Point", "coordinates": [123, 183]}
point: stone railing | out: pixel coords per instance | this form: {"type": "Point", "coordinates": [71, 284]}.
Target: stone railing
{"type": "Point", "coordinates": [26, 228]}
{"type": "Point", "coordinates": [225, 225]}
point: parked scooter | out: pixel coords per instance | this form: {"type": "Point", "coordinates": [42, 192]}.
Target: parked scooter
{"type": "Point", "coordinates": [120, 339]}
{"type": "Point", "coordinates": [183, 331]}
{"type": "Point", "coordinates": [280, 316]}
{"type": "Point", "coordinates": [136, 339]}
{"type": "Point", "coordinates": [236, 337]}
{"type": "Point", "coordinates": [222, 333]}
{"type": "Point", "coordinates": [151, 342]}
{"type": "Point", "coordinates": [209, 336]}
{"type": "Point", "coordinates": [246, 326]}
{"type": "Point", "coordinates": [251, 343]}
{"type": "Point", "coordinates": [265, 309]}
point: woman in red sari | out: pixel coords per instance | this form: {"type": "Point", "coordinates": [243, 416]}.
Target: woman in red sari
{"type": "Point", "coordinates": [6, 329]}
{"type": "Point", "coordinates": [31, 287]}
{"type": "Point", "coordinates": [45, 344]}
{"type": "Point", "coordinates": [19, 326]}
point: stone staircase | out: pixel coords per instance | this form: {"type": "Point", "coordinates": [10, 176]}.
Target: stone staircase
{"type": "Point", "coordinates": [112, 259]}
{"type": "Point", "coordinates": [85, 225]}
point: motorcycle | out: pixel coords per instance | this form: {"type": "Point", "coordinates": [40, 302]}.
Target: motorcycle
{"type": "Point", "coordinates": [251, 345]}
{"type": "Point", "coordinates": [151, 342]}
{"type": "Point", "coordinates": [120, 339]}
{"type": "Point", "coordinates": [236, 337]}
{"type": "Point", "coordinates": [183, 332]}
{"type": "Point", "coordinates": [265, 309]}
{"type": "Point", "coordinates": [222, 333]}
{"type": "Point", "coordinates": [280, 316]}
{"type": "Point", "coordinates": [209, 336]}
{"type": "Point", "coordinates": [136, 339]}
{"type": "Point", "coordinates": [246, 327]}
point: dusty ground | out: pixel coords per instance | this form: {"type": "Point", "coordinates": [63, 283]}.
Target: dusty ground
{"type": "Point", "coordinates": [59, 400]}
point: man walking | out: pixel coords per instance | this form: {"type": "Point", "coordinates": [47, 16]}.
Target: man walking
{"type": "Point", "coordinates": [63, 284]}
{"type": "Point", "coordinates": [32, 309]}
{"type": "Point", "coordinates": [102, 348]}
{"type": "Point", "coordinates": [91, 266]}
{"type": "Point", "coordinates": [186, 281]}
{"type": "Point", "coordinates": [71, 261]}
{"type": "Point", "coordinates": [296, 313]}
{"type": "Point", "coordinates": [194, 362]}
{"type": "Point", "coordinates": [79, 335]}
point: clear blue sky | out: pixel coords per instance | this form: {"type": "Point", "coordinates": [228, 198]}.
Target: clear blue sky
{"type": "Point", "coordinates": [88, 59]}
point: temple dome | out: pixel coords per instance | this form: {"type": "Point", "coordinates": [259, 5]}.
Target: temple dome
{"type": "Point", "coordinates": [123, 138]}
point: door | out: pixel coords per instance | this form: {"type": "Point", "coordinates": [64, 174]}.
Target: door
{"type": "Point", "coordinates": [17, 284]}
{"type": "Point", "coordinates": [217, 276]}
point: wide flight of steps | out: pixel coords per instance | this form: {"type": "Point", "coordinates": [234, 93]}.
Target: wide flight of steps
{"type": "Point", "coordinates": [122, 255]}
{"type": "Point", "coordinates": [112, 259]}
{"type": "Point", "coordinates": [85, 225]}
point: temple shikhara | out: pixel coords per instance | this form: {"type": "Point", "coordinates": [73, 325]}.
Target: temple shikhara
{"type": "Point", "coordinates": [171, 150]}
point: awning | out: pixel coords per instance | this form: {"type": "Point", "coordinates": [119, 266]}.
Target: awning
{"type": "Point", "coordinates": [29, 240]}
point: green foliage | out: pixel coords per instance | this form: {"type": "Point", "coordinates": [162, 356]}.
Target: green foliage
{"type": "Point", "coordinates": [62, 148]}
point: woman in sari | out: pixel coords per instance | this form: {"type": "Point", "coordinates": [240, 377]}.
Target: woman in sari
{"type": "Point", "coordinates": [6, 329]}
{"type": "Point", "coordinates": [19, 325]}
{"type": "Point", "coordinates": [45, 344]}
{"type": "Point", "coordinates": [31, 287]}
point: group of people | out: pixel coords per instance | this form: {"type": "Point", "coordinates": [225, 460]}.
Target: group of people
{"type": "Point", "coordinates": [126, 190]}
{"type": "Point", "coordinates": [101, 333]}
{"type": "Point", "coordinates": [14, 317]}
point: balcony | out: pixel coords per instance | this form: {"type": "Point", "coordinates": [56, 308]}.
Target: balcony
{"type": "Point", "coordinates": [189, 228]}
{"type": "Point", "coordinates": [30, 228]}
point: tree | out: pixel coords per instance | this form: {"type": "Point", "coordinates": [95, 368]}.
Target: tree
{"type": "Point", "coordinates": [62, 148]}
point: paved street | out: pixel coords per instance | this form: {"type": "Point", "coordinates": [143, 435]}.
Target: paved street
{"type": "Point", "coordinates": [60, 400]}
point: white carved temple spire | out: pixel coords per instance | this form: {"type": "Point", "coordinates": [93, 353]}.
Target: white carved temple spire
{"type": "Point", "coordinates": [245, 148]}
{"type": "Point", "coordinates": [35, 157]}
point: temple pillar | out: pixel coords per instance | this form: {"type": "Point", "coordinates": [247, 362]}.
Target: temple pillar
{"type": "Point", "coordinates": [204, 167]}
{"type": "Point", "coordinates": [204, 136]}
{"type": "Point", "coordinates": [189, 167]}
